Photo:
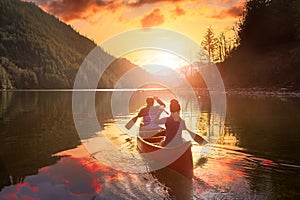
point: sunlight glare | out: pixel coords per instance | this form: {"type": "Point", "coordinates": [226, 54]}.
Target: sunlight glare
{"type": "Point", "coordinates": [153, 60]}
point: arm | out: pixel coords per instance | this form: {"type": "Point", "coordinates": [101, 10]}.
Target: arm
{"type": "Point", "coordinates": [143, 112]}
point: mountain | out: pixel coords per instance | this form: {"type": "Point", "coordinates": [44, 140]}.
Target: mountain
{"type": "Point", "coordinates": [37, 50]}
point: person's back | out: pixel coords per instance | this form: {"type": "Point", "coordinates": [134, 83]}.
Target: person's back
{"type": "Point", "coordinates": [174, 130]}
{"type": "Point", "coordinates": [174, 125]}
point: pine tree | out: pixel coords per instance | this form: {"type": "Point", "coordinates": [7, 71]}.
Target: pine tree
{"type": "Point", "coordinates": [210, 43]}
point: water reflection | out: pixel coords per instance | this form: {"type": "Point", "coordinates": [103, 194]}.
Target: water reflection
{"type": "Point", "coordinates": [76, 177]}
{"type": "Point", "coordinates": [256, 156]}
{"type": "Point", "coordinates": [266, 126]}
{"type": "Point", "coordinates": [34, 126]}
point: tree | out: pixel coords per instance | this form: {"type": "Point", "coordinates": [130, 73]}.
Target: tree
{"type": "Point", "coordinates": [210, 43]}
{"type": "Point", "coordinates": [225, 46]}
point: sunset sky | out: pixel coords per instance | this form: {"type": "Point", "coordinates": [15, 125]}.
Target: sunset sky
{"type": "Point", "coordinates": [101, 19]}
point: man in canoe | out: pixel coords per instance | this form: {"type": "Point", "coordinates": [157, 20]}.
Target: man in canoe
{"type": "Point", "coordinates": [150, 114]}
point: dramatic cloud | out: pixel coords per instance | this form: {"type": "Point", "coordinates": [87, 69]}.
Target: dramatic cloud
{"type": "Point", "coordinates": [154, 18]}
{"type": "Point", "coordinates": [100, 19]}
{"type": "Point", "coordinates": [77, 9]}
{"type": "Point", "coordinates": [70, 9]}
{"type": "Point", "coordinates": [234, 11]}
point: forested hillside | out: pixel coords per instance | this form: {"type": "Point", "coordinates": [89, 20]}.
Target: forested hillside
{"type": "Point", "coordinates": [39, 51]}
{"type": "Point", "coordinates": [268, 54]}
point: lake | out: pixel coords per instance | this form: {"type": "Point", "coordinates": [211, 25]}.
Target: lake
{"type": "Point", "coordinates": [42, 156]}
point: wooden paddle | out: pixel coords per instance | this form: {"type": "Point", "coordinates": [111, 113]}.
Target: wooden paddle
{"type": "Point", "coordinates": [199, 139]}
{"type": "Point", "coordinates": [131, 122]}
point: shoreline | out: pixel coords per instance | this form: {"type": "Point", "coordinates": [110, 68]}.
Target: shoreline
{"type": "Point", "coordinates": [255, 91]}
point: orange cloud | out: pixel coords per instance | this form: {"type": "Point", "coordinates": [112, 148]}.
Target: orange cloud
{"type": "Point", "coordinates": [234, 11]}
{"type": "Point", "coordinates": [141, 2]}
{"type": "Point", "coordinates": [154, 18]}
{"type": "Point", "coordinates": [222, 2]}
{"type": "Point", "coordinates": [179, 11]}
{"type": "Point", "coordinates": [68, 10]}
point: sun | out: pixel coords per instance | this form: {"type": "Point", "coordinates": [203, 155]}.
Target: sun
{"type": "Point", "coordinates": [153, 60]}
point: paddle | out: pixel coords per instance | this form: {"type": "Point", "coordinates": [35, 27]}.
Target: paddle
{"type": "Point", "coordinates": [131, 122]}
{"type": "Point", "coordinates": [199, 139]}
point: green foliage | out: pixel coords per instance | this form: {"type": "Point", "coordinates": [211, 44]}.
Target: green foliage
{"type": "Point", "coordinates": [46, 53]}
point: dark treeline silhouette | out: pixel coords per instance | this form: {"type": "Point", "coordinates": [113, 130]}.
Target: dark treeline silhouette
{"type": "Point", "coordinates": [268, 51]}
{"type": "Point", "coordinates": [270, 23]}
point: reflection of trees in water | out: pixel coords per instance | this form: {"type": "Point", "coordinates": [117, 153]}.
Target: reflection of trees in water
{"type": "Point", "coordinates": [103, 107]}
{"type": "Point", "coordinates": [267, 125]}
{"type": "Point", "coordinates": [12, 103]}
{"type": "Point", "coordinates": [199, 116]}
{"type": "Point", "coordinates": [196, 110]}
{"type": "Point", "coordinates": [5, 98]}
{"type": "Point", "coordinates": [267, 128]}
{"type": "Point", "coordinates": [38, 125]}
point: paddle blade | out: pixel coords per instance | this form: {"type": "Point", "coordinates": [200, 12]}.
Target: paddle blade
{"type": "Point", "coordinates": [130, 124]}
{"type": "Point", "coordinates": [200, 140]}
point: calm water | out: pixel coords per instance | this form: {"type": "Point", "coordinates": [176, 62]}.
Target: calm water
{"type": "Point", "coordinates": [41, 156]}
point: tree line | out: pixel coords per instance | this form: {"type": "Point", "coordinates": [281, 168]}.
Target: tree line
{"type": "Point", "coordinates": [219, 47]}
{"type": "Point", "coordinates": [265, 49]}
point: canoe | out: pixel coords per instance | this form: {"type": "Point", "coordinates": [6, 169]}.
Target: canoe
{"type": "Point", "coordinates": [184, 162]}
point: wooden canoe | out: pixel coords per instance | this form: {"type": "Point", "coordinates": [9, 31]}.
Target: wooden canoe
{"type": "Point", "coordinates": [183, 164]}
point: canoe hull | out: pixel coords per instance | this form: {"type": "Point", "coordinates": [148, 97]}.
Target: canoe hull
{"type": "Point", "coordinates": [183, 164]}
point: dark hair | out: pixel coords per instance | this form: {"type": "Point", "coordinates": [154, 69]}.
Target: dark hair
{"type": "Point", "coordinates": [150, 101]}
{"type": "Point", "coordinates": [174, 106]}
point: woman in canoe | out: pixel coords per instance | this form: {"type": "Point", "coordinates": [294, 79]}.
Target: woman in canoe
{"type": "Point", "coordinates": [175, 125]}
